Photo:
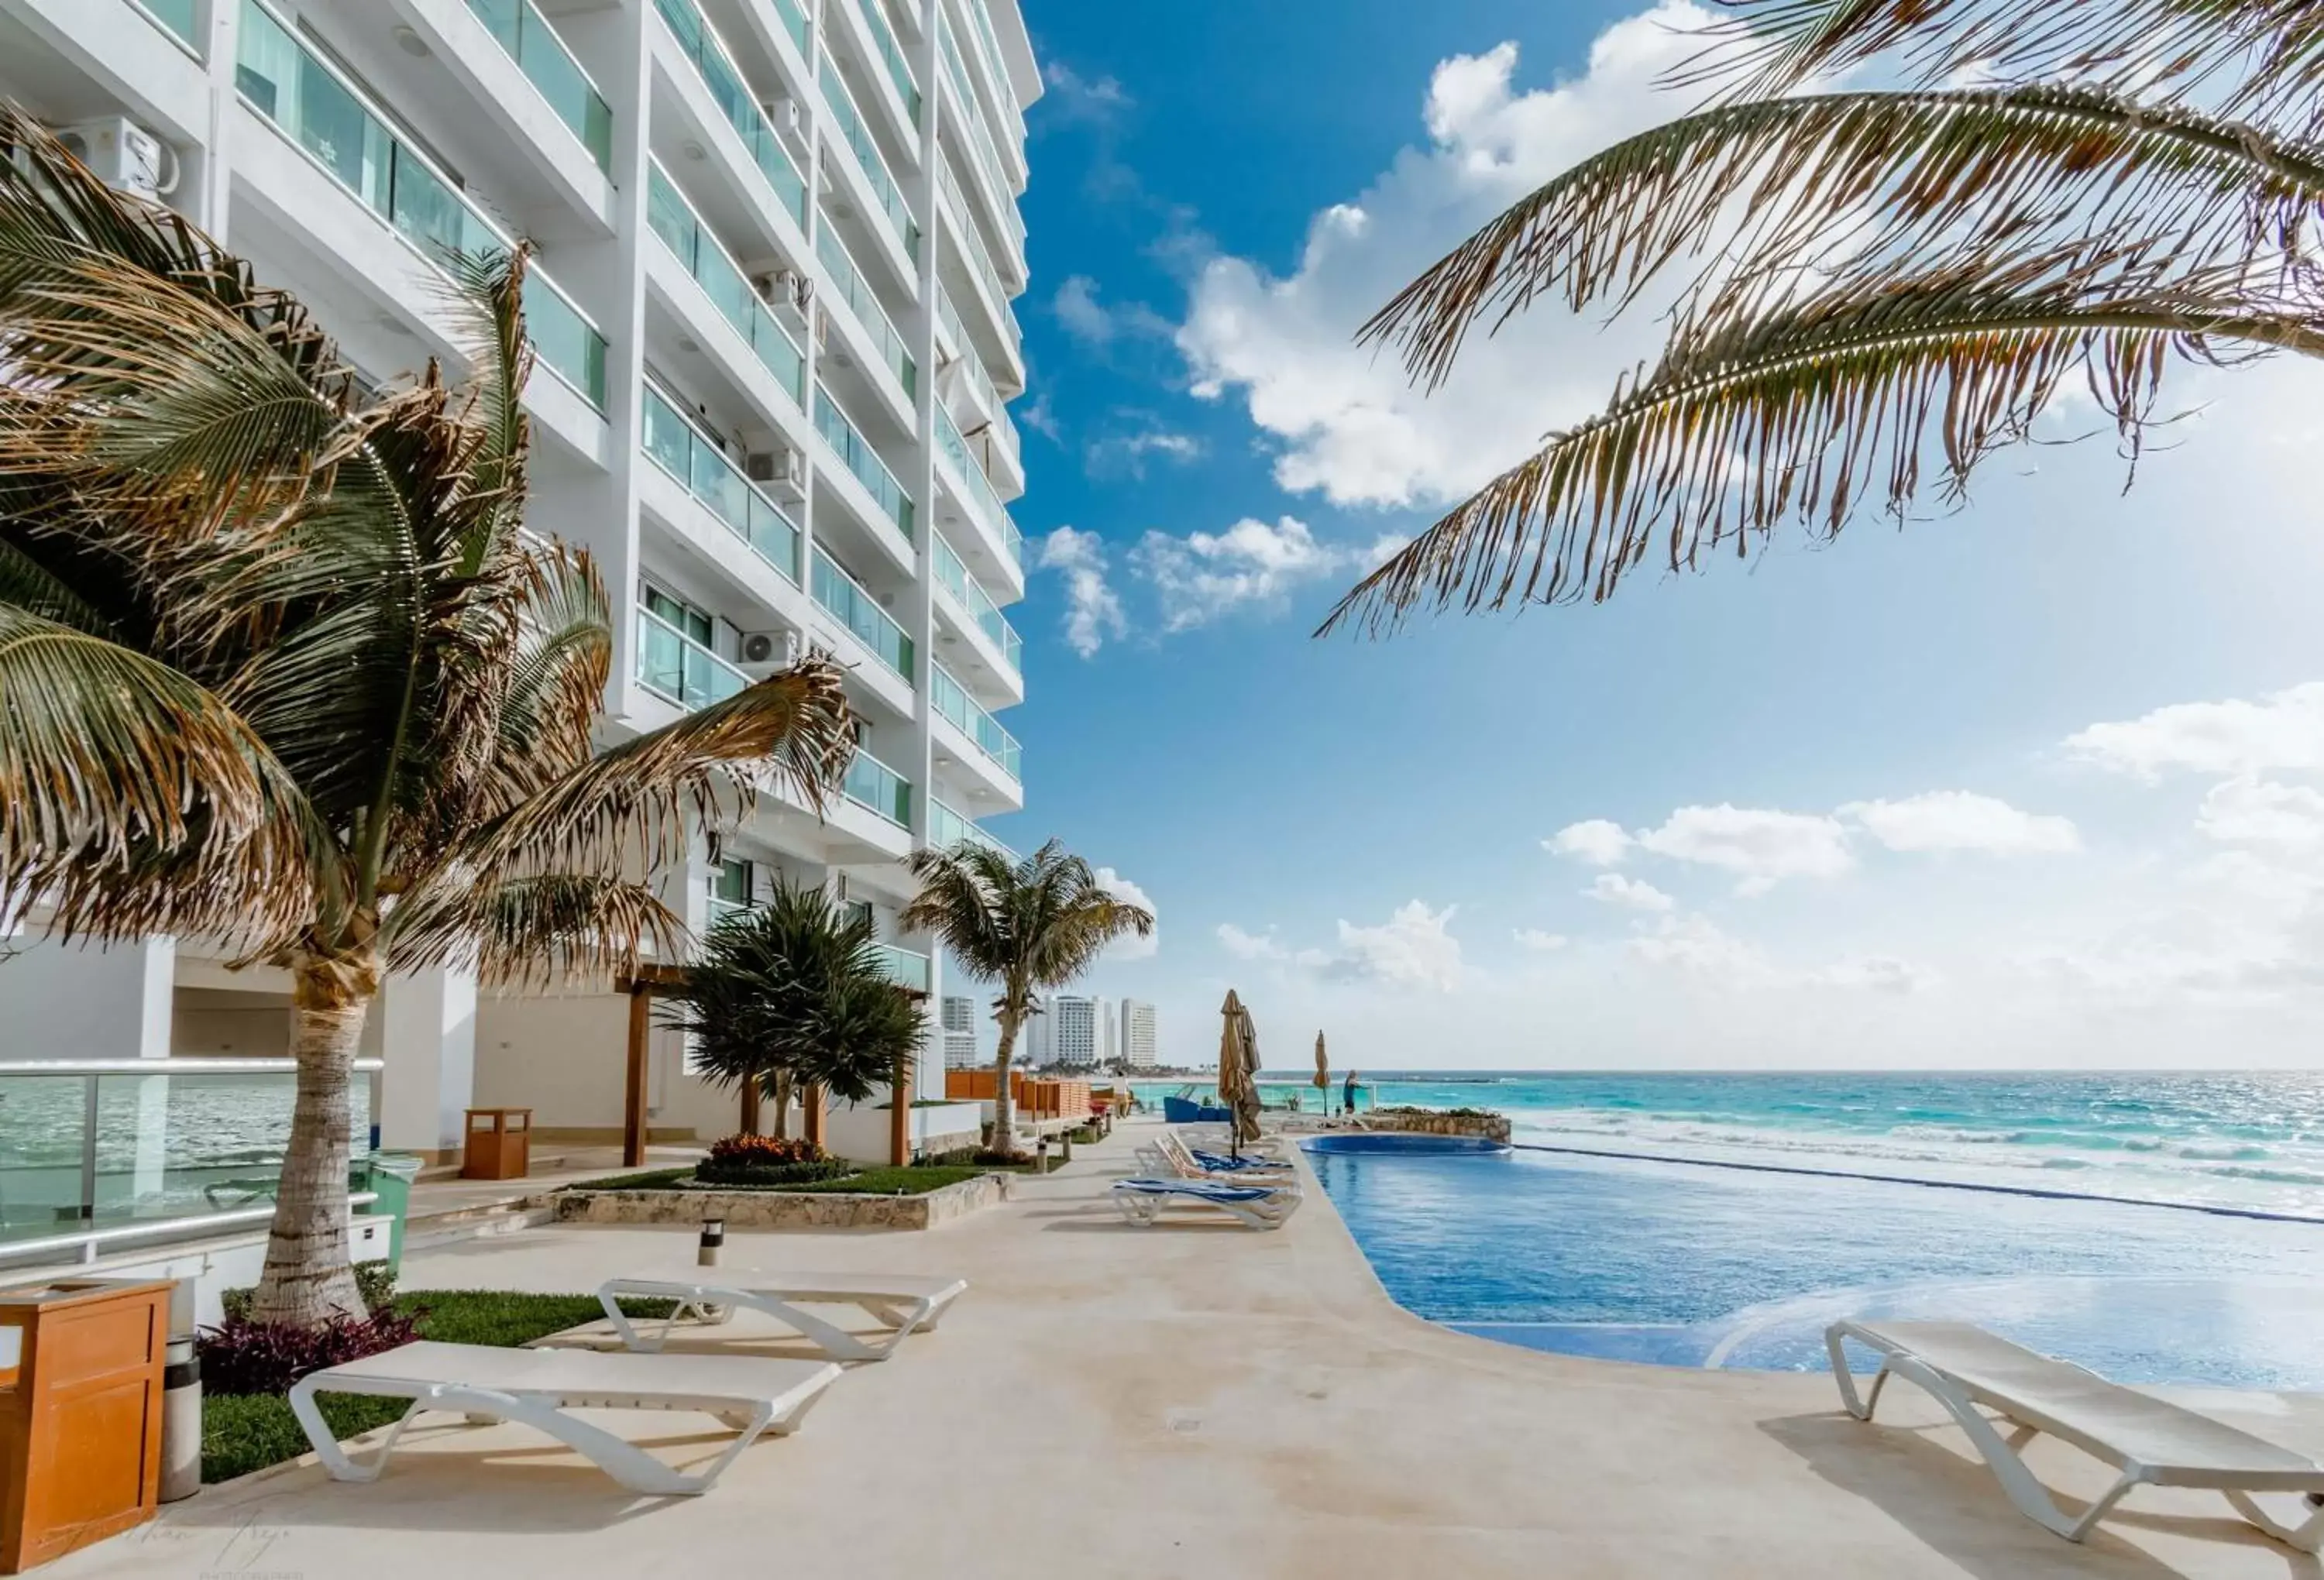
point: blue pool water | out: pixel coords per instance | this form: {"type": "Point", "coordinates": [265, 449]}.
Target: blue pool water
{"type": "Point", "coordinates": [1695, 1262]}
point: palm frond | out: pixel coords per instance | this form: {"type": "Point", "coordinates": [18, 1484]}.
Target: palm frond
{"type": "Point", "coordinates": [138, 802]}
{"type": "Point", "coordinates": [545, 931]}
{"type": "Point", "coordinates": [634, 801]}
{"type": "Point", "coordinates": [1037, 924]}
{"type": "Point", "coordinates": [1806, 413]}
{"type": "Point", "coordinates": [564, 657]}
{"type": "Point", "coordinates": [1892, 178]}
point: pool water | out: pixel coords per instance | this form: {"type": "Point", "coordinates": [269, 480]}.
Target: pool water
{"type": "Point", "coordinates": [1692, 1265]}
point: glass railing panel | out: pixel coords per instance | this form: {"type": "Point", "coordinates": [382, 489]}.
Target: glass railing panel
{"type": "Point", "coordinates": [680, 668]}
{"type": "Point", "coordinates": [955, 449]}
{"type": "Point", "coordinates": [525, 33]}
{"type": "Point", "coordinates": [177, 15]}
{"type": "Point", "coordinates": [947, 828]}
{"type": "Point", "coordinates": [699, 252]}
{"type": "Point", "coordinates": [905, 968]}
{"type": "Point", "coordinates": [290, 85]}
{"type": "Point", "coordinates": [856, 291]}
{"type": "Point", "coordinates": [948, 316]}
{"type": "Point", "coordinates": [868, 158]}
{"type": "Point", "coordinates": [953, 575]}
{"type": "Point", "coordinates": [875, 786]}
{"type": "Point", "coordinates": [980, 261]}
{"type": "Point", "coordinates": [680, 449]}
{"type": "Point", "coordinates": [846, 598]}
{"type": "Point", "coordinates": [891, 55]}
{"type": "Point", "coordinates": [731, 91]}
{"type": "Point", "coordinates": [794, 20]}
{"type": "Point", "coordinates": [855, 452]}
{"type": "Point", "coordinates": [952, 700]}
{"type": "Point", "coordinates": [989, 46]}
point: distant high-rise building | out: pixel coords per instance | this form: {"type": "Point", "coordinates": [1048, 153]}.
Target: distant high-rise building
{"type": "Point", "coordinates": [1073, 1034]}
{"type": "Point", "coordinates": [1137, 1045]}
{"type": "Point", "coordinates": [959, 1022]}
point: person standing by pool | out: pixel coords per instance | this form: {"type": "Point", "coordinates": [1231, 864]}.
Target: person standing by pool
{"type": "Point", "coordinates": [1348, 1094]}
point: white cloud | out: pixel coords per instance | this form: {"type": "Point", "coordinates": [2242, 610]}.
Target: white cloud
{"type": "Point", "coordinates": [1093, 608]}
{"type": "Point", "coordinates": [2257, 812]}
{"type": "Point", "coordinates": [1630, 894]}
{"type": "Point", "coordinates": [1250, 946]}
{"type": "Point", "coordinates": [1414, 948]}
{"type": "Point", "coordinates": [1539, 941]}
{"type": "Point", "coordinates": [1126, 454]}
{"type": "Point", "coordinates": [1132, 948]}
{"type": "Point", "coordinates": [1072, 96]}
{"type": "Point", "coordinates": [1204, 576]}
{"type": "Point", "coordinates": [1597, 840]}
{"type": "Point", "coordinates": [1349, 423]}
{"type": "Point", "coordinates": [1037, 415]}
{"type": "Point", "coordinates": [2226, 740]}
{"type": "Point", "coordinates": [1699, 947]}
{"type": "Point", "coordinates": [1761, 847]}
{"type": "Point", "coordinates": [1960, 820]}
{"type": "Point", "coordinates": [1096, 325]}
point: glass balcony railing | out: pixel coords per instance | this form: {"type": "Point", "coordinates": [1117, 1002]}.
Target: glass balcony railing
{"type": "Point", "coordinates": [845, 597]}
{"type": "Point", "coordinates": [953, 701]}
{"type": "Point", "coordinates": [855, 452]}
{"type": "Point", "coordinates": [876, 787]}
{"type": "Point", "coordinates": [856, 293]}
{"type": "Point", "coordinates": [681, 230]}
{"type": "Point", "coordinates": [178, 17]}
{"type": "Point", "coordinates": [947, 828]}
{"type": "Point", "coordinates": [955, 450]}
{"type": "Point", "coordinates": [868, 158]}
{"type": "Point", "coordinates": [980, 261]}
{"type": "Point", "coordinates": [720, 909]}
{"type": "Point", "coordinates": [989, 45]}
{"type": "Point", "coordinates": [905, 968]}
{"type": "Point", "coordinates": [987, 158]}
{"type": "Point", "coordinates": [793, 21]}
{"type": "Point", "coordinates": [100, 1152]}
{"type": "Point", "coordinates": [731, 91]}
{"type": "Point", "coordinates": [891, 55]}
{"type": "Point", "coordinates": [549, 66]}
{"type": "Point", "coordinates": [309, 102]}
{"type": "Point", "coordinates": [680, 449]}
{"type": "Point", "coordinates": [949, 317]}
{"type": "Point", "coordinates": [970, 593]}
{"type": "Point", "coordinates": [680, 668]}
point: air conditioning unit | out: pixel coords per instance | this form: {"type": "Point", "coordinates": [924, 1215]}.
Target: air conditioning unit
{"type": "Point", "coordinates": [123, 154]}
{"type": "Point", "coordinates": [786, 116]}
{"type": "Point", "coordinates": [786, 288]}
{"type": "Point", "coordinates": [781, 469]}
{"type": "Point", "coordinates": [767, 650]}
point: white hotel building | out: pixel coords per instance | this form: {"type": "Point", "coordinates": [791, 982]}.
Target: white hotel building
{"type": "Point", "coordinates": [777, 245]}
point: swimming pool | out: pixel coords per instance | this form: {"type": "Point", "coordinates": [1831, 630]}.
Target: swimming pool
{"type": "Point", "coordinates": [1690, 1265]}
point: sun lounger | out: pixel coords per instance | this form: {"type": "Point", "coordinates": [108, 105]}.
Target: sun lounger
{"type": "Point", "coordinates": [1169, 1155]}
{"type": "Point", "coordinates": [538, 1387]}
{"type": "Point", "coordinates": [2149, 1442]}
{"type": "Point", "coordinates": [1262, 1206]}
{"type": "Point", "coordinates": [907, 1304]}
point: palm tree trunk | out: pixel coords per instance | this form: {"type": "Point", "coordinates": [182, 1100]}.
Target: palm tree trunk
{"type": "Point", "coordinates": [782, 1105]}
{"type": "Point", "coordinates": [308, 1278]}
{"type": "Point", "coordinates": [1004, 1103]}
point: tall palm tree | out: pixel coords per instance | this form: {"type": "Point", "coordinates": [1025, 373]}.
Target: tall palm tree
{"type": "Point", "coordinates": [1030, 926]}
{"type": "Point", "coordinates": [279, 669]}
{"type": "Point", "coordinates": [795, 992]}
{"type": "Point", "coordinates": [1882, 287]}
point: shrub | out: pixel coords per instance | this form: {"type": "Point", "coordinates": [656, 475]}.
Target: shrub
{"type": "Point", "coordinates": [762, 1152]}
{"type": "Point", "coordinates": [709, 1173]}
{"type": "Point", "coordinates": [240, 1356]}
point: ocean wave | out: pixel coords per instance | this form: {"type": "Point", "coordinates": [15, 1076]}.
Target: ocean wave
{"type": "Point", "coordinates": [2266, 1176]}
{"type": "Point", "coordinates": [2223, 1155]}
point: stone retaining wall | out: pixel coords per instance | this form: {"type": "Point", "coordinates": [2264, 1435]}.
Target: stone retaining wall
{"type": "Point", "coordinates": [781, 1209]}
{"type": "Point", "coordinates": [1425, 1122]}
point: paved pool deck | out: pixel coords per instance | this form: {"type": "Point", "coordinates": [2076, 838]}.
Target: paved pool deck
{"type": "Point", "coordinates": [1192, 1401]}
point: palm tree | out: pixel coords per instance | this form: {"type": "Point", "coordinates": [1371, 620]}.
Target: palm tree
{"type": "Point", "coordinates": [795, 991]}
{"type": "Point", "coordinates": [1031, 926]}
{"type": "Point", "coordinates": [1887, 285]}
{"type": "Point", "coordinates": [278, 668]}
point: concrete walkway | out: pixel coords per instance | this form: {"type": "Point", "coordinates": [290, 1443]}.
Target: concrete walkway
{"type": "Point", "coordinates": [1176, 1402]}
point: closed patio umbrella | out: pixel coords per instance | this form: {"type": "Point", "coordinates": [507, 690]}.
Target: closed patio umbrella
{"type": "Point", "coordinates": [1323, 1071]}
{"type": "Point", "coordinates": [1239, 1068]}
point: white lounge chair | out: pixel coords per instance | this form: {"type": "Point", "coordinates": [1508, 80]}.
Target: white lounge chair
{"type": "Point", "coordinates": [2149, 1442]}
{"type": "Point", "coordinates": [1170, 1157]}
{"type": "Point", "coordinates": [907, 1304]}
{"type": "Point", "coordinates": [537, 1387]}
{"type": "Point", "coordinates": [1262, 1206]}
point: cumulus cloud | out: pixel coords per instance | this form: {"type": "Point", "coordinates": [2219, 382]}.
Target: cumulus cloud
{"type": "Point", "coordinates": [1349, 423]}
{"type": "Point", "coordinates": [1095, 324]}
{"type": "Point", "coordinates": [1250, 946]}
{"type": "Point", "coordinates": [1630, 893]}
{"type": "Point", "coordinates": [1071, 97]}
{"type": "Point", "coordinates": [1414, 948]}
{"type": "Point", "coordinates": [1960, 820]}
{"type": "Point", "coordinates": [1126, 454]}
{"type": "Point", "coordinates": [1761, 847]}
{"type": "Point", "coordinates": [2234, 738]}
{"type": "Point", "coordinates": [1251, 566]}
{"type": "Point", "coordinates": [1539, 941]}
{"type": "Point", "coordinates": [1093, 608]}
{"type": "Point", "coordinates": [1697, 947]}
{"type": "Point", "coordinates": [2257, 812]}
{"type": "Point", "coordinates": [1132, 948]}
{"type": "Point", "coordinates": [1597, 840]}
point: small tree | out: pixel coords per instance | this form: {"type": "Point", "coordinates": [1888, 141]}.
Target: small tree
{"type": "Point", "coordinates": [795, 992]}
{"type": "Point", "coordinates": [1030, 926]}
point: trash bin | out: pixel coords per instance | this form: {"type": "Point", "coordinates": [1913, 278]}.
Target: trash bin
{"type": "Point", "coordinates": [392, 1174]}
{"type": "Point", "coordinates": [82, 1368]}
{"type": "Point", "coordinates": [499, 1145]}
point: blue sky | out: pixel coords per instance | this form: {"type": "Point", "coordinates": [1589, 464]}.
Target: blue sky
{"type": "Point", "coordinates": [2033, 783]}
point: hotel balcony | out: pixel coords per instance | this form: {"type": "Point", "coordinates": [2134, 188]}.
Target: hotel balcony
{"type": "Point", "coordinates": [979, 645]}
{"type": "Point", "coordinates": [970, 512]}
{"type": "Point", "coordinates": [972, 748]}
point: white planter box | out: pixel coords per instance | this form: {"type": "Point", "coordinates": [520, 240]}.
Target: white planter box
{"type": "Point", "coordinates": [861, 1135]}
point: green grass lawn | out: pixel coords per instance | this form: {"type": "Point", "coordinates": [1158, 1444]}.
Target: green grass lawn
{"type": "Point", "coordinates": [918, 1180]}
{"type": "Point", "coordinates": [247, 1432]}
